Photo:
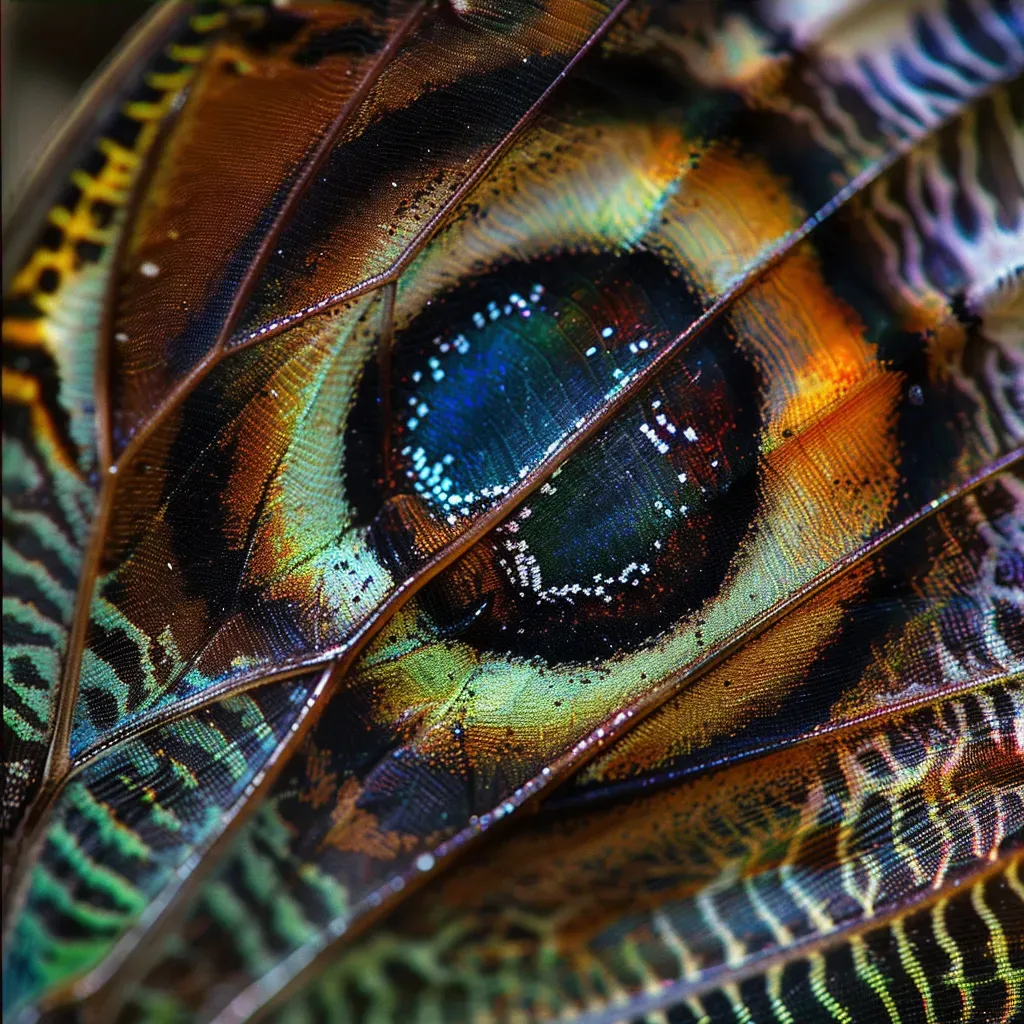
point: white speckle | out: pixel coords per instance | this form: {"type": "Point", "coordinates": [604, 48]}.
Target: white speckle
{"type": "Point", "coordinates": [681, 478]}
{"type": "Point", "coordinates": [149, 269]}
{"type": "Point", "coordinates": [714, 463]}
{"type": "Point", "coordinates": [425, 861]}
{"type": "Point", "coordinates": [113, 470]}
{"type": "Point", "coordinates": [607, 332]}
{"type": "Point", "coordinates": [690, 434]}
{"type": "Point", "coordinates": [394, 184]}
{"type": "Point", "coordinates": [171, 567]}
{"type": "Point", "coordinates": [121, 336]}
{"type": "Point", "coordinates": [591, 351]}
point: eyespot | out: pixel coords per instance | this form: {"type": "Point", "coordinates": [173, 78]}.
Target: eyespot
{"type": "Point", "coordinates": [639, 526]}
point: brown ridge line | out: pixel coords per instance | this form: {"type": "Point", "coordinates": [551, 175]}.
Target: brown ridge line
{"type": "Point", "coordinates": [38, 191]}
{"type": "Point", "coordinates": [922, 899]}
{"type": "Point", "coordinates": [602, 794]}
{"type": "Point", "coordinates": [591, 423]}
{"type": "Point", "coordinates": [313, 165]}
{"type": "Point", "coordinates": [420, 239]}
{"type": "Point", "coordinates": [58, 760]}
{"type": "Point", "coordinates": [384, 358]}
{"type": "Point", "coordinates": [253, 1000]}
{"type": "Point", "coordinates": [29, 833]}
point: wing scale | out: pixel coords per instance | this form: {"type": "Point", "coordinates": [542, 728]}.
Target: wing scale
{"type": "Point", "coordinates": [115, 626]}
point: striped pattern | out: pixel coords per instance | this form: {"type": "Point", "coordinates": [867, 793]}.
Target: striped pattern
{"type": "Point", "coordinates": [896, 969]}
{"type": "Point", "coordinates": [124, 828]}
{"type": "Point", "coordinates": [824, 898]}
{"type": "Point", "coordinates": [51, 323]}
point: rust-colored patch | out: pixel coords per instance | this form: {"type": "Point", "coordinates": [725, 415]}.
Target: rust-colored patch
{"type": "Point", "coordinates": [354, 830]}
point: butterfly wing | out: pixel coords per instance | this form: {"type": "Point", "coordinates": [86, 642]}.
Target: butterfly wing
{"type": "Point", "coordinates": [633, 418]}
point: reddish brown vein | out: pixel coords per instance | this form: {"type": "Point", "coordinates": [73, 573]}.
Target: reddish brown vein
{"type": "Point", "coordinates": [58, 761]}
{"type": "Point", "coordinates": [588, 427]}
{"type": "Point", "coordinates": [309, 959]}
{"type": "Point", "coordinates": [130, 950]}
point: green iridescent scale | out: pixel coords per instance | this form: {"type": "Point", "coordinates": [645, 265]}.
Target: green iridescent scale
{"type": "Point", "coordinates": [418, 414]}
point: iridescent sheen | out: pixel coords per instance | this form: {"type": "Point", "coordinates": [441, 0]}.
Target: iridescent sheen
{"type": "Point", "coordinates": [416, 414]}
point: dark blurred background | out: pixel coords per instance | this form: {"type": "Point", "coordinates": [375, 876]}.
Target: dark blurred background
{"type": "Point", "coordinates": [50, 48]}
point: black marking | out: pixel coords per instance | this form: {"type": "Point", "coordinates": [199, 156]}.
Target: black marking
{"type": "Point", "coordinates": [344, 41]}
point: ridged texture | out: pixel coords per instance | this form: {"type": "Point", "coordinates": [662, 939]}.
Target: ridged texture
{"type": "Point", "coordinates": [52, 319]}
{"type": "Point", "coordinates": [412, 440]}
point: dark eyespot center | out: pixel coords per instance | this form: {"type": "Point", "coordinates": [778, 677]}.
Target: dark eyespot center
{"type": "Point", "coordinates": [489, 380]}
